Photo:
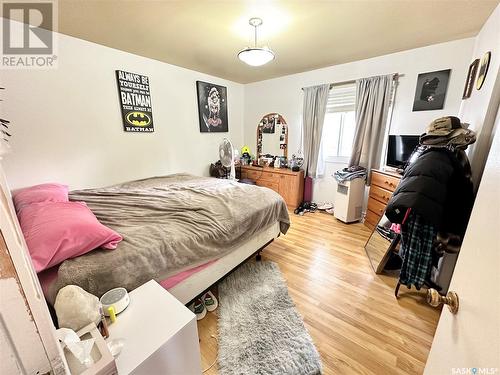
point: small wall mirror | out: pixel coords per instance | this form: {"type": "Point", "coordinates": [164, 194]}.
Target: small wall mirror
{"type": "Point", "coordinates": [272, 136]}
{"type": "Point", "coordinates": [381, 244]}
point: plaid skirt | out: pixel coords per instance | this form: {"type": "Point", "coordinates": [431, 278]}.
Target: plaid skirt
{"type": "Point", "coordinates": [417, 238]}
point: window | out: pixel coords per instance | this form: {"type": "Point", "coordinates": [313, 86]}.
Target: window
{"type": "Point", "coordinates": [339, 124]}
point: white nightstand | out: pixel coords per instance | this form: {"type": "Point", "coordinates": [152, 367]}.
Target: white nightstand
{"type": "Point", "coordinates": [161, 335]}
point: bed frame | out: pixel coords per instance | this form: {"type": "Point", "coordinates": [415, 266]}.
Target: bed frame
{"type": "Point", "coordinates": [194, 285]}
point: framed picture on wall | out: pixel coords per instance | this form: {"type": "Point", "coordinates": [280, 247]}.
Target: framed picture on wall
{"type": "Point", "coordinates": [212, 107]}
{"type": "Point", "coordinates": [471, 77]}
{"type": "Point", "coordinates": [431, 90]}
{"type": "Point", "coordinates": [135, 102]}
{"type": "Point", "coordinates": [483, 70]}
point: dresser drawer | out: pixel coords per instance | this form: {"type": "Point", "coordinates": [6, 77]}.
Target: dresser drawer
{"type": "Point", "coordinates": [268, 184]}
{"type": "Point", "coordinates": [252, 175]}
{"type": "Point", "coordinates": [270, 177]}
{"type": "Point", "coordinates": [376, 206]}
{"type": "Point", "coordinates": [371, 219]}
{"type": "Point", "coordinates": [261, 175]}
{"type": "Point", "coordinates": [384, 181]}
{"type": "Point", "coordinates": [379, 194]}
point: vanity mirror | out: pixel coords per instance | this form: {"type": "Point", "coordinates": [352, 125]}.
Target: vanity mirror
{"type": "Point", "coordinates": [272, 136]}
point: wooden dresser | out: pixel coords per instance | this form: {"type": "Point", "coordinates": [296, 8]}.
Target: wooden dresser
{"type": "Point", "coordinates": [382, 186]}
{"type": "Point", "coordinates": [288, 184]}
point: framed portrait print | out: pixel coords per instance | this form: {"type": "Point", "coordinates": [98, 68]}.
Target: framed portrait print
{"type": "Point", "coordinates": [212, 107]}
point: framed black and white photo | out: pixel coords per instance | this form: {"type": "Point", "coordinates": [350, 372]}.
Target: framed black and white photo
{"type": "Point", "coordinates": [471, 78]}
{"type": "Point", "coordinates": [430, 93]}
{"type": "Point", "coordinates": [212, 107]}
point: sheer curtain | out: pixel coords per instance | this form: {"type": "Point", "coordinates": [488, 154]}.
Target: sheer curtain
{"type": "Point", "coordinates": [373, 97]}
{"type": "Point", "coordinates": [315, 100]}
{"type": "Point", "coordinates": [338, 126]}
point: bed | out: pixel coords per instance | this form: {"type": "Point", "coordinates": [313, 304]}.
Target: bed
{"type": "Point", "coordinates": [186, 232]}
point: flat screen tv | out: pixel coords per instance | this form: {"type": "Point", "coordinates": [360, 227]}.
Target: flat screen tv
{"type": "Point", "coordinates": [399, 149]}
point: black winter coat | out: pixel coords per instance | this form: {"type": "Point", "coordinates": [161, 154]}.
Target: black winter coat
{"type": "Point", "coordinates": [438, 187]}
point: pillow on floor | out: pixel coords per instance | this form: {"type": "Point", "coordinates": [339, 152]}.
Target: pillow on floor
{"type": "Point", "coordinates": [56, 231]}
{"type": "Point", "coordinates": [40, 193]}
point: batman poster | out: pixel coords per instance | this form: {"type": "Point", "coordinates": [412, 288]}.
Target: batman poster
{"type": "Point", "coordinates": [135, 101]}
{"type": "Point", "coordinates": [212, 107]}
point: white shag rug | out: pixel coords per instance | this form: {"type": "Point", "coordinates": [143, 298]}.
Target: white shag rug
{"type": "Point", "coordinates": [260, 331]}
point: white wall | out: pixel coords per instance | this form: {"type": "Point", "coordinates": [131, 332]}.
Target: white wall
{"type": "Point", "coordinates": [481, 108]}
{"type": "Point", "coordinates": [67, 127]}
{"type": "Point", "coordinates": [66, 123]}
{"type": "Point", "coordinates": [284, 94]}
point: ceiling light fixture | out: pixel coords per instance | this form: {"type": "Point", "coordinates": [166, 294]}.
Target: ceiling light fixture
{"type": "Point", "coordinates": [256, 56]}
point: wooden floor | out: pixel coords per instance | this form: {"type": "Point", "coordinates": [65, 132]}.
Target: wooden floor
{"type": "Point", "coordinates": [357, 324]}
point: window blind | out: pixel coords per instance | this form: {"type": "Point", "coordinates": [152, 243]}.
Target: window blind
{"type": "Point", "coordinates": [342, 98]}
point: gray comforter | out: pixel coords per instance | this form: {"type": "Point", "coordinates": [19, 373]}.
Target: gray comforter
{"type": "Point", "coordinates": [169, 224]}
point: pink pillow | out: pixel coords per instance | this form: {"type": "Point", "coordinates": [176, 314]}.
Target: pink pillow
{"type": "Point", "coordinates": [40, 193]}
{"type": "Point", "coordinates": [56, 231]}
